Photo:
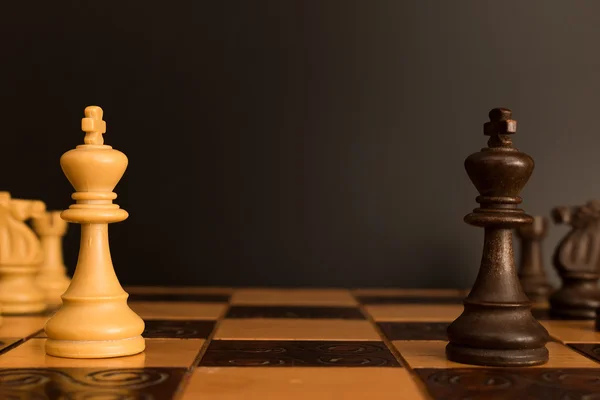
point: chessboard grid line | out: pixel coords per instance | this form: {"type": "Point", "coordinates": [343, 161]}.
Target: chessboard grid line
{"type": "Point", "coordinates": [555, 339]}
{"type": "Point", "coordinates": [185, 380]}
{"type": "Point", "coordinates": [34, 334]}
{"type": "Point", "coordinates": [12, 346]}
{"type": "Point", "coordinates": [414, 376]}
{"type": "Point", "coordinates": [22, 340]}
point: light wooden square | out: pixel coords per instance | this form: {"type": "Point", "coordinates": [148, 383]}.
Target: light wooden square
{"type": "Point", "coordinates": [392, 292]}
{"type": "Point", "coordinates": [177, 310]}
{"type": "Point", "coordinates": [293, 297]}
{"type": "Point", "coordinates": [20, 327]}
{"type": "Point", "coordinates": [295, 329]}
{"type": "Point", "coordinates": [572, 331]}
{"type": "Point", "coordinates": [432, 354]}
{"type": "Point", "coordinates": [415, 312]}
{"type": "Point", "coordinates": [158, 353]}
{"type": "Point", "coordinates": [301, 384]}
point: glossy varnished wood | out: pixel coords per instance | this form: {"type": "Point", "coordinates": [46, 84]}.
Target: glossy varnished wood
{"type": "Point", "coordinates": [414, 312]}
{"type": "Point", "coordinates": [248, 383]}
{"type": "Point", "coordinates": [511, 383]}
{"type": "Point", "coordinates": [295, 329]}
{"type": "Point", "coordinates": [179, 310]}
{"type": "Point", "coordinates": [172, 353]}
{"type": "Point", "coordinates": [293, 297]}
{"type": "Point", "coordinates": [305, 312]}
{"type": "Point", "coordinates": [307, 348]}
{"type": "Point", "coordinates": [90, 383]}
{"type": "Point", "coordinates": [298, 353]}
{"type": "Point", "coordinates": [430, 354]}
{"type": "Point", "coordinates": [414, 330]}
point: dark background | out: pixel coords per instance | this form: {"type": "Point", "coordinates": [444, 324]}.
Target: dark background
{"type": "Point", "coordinates": [300, 142]}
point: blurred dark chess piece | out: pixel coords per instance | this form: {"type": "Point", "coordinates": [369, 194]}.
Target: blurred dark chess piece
{"type": "Point", "coordinates": [576, 259]}
{"type": "Point", "coordinates": [531, 273]}
{"type": "Point", "coordinates": [496, 327]}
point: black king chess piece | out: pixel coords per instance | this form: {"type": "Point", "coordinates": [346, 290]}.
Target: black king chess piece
{"type": "Point", "coordinates": [496, 327]}
{"type": "Point", "coordinates": [577, 259]}
{"type": "Point", "coordinates": [531, 272]}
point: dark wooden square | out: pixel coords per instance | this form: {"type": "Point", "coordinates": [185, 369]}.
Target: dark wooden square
{"type": "Point", "coordinates": [409, 300]}
{"type": "Point", "coordinates": [79, 383]}
{"type": "Point", "coordinates": [294, 312]}
{"type": "Point", "coordinates": [590, 350]}
{"type": "Point", "coordinates": [512, 383]}
{"type": "Point", "coordinates": [175, 297]}
{"type": "Point", "coordinates": [178, 329]}
{"type": "Point", "coordinates": [284, 353]}
{"type": "Point", "coordinates": [414, 330]}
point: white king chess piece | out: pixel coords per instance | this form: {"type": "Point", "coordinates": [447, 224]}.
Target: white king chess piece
{"type": "Point", "coordinates": [95, 320]}
{"type": "Point", "coordinates": [52, 275]}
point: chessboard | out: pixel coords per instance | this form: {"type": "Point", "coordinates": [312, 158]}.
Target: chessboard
{"type": "Point", "coordinates": [250, 343]}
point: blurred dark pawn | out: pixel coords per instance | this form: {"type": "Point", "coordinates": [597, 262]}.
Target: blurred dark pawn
{"type": "Point", "coordinates": [531, 270]}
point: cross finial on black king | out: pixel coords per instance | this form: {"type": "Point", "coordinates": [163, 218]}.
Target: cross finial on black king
{"type": "Point", "coordinates": [500, 127]}
{"type": "Point", "coordinates": [496, 327]}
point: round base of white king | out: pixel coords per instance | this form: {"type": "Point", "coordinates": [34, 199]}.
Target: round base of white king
{"type": "Point", "coordinates": [95, 348]}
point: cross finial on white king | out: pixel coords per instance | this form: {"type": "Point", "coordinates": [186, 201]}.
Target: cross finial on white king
{"type": "Point", "coordinates": [93, 125]}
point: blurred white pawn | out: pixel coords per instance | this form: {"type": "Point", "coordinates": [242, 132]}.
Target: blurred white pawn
{"type": "Point", "coordinates": [52, 275]}
{"type": "Point", "coordinates": [20, 256]}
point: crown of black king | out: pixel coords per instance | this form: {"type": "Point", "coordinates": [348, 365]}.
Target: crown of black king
{"type": "Point", "coordinates": [499, 172]}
